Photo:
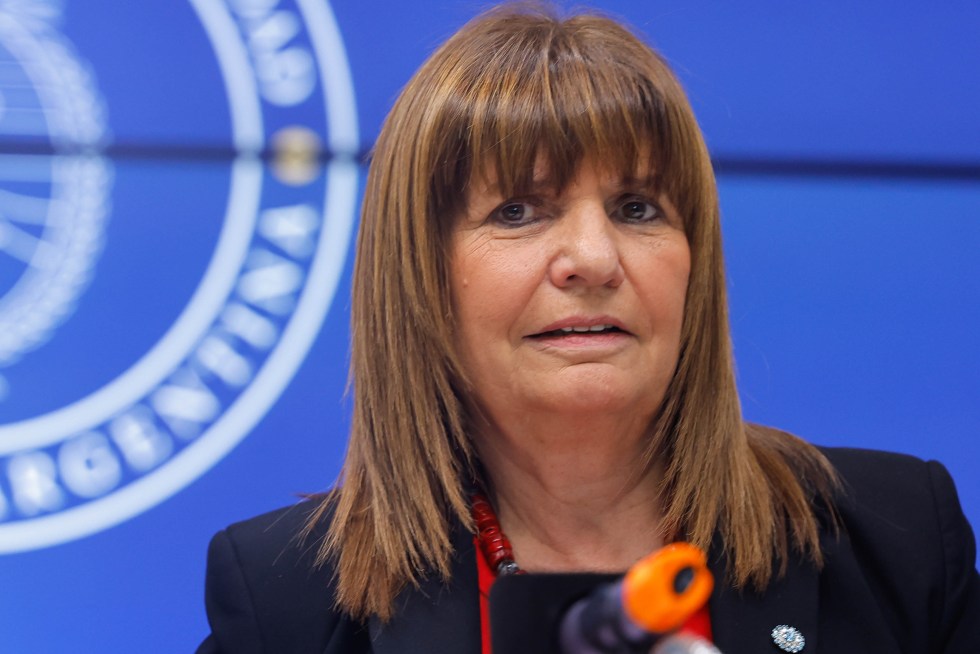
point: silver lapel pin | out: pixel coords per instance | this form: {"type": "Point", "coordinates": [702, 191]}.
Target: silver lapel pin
{"type": "Point", "coordinates": [788, 639]}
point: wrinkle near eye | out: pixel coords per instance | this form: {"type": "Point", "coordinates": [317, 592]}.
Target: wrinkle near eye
{"type": "Point", "coordinates": [477, 244]}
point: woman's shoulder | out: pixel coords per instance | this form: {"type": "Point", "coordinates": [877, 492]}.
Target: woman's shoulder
{"type": "Point", "coordinates": [900, 500]}
{"type": "Point", "coordinates": [265, 591]}
{"type": "Point", "coordinates": [895, 487]}
{"type": "Point", "coordinates": [852, 461]}
{"type": "Point", "coordinates": [279, 535]}
{"type": "Point", "coordinates": [904, 547]}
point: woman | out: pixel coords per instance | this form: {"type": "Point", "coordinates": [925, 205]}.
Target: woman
{"type": "Point", "coordinates": [539, 320]}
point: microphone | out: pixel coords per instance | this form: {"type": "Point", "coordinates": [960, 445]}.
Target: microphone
{"type": "Point", "coordinates": [655, 597]}
{"type": "Point", "coordinates": [601, 613]}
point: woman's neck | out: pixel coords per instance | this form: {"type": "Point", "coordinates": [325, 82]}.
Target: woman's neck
{"type": "Point", "coordinates": [574, 498]}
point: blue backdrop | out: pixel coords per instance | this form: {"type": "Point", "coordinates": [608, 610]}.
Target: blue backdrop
{"type": "Point", "coordinates": [174, 268]}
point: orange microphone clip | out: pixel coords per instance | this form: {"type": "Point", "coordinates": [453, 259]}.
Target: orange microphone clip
{"type": "Point", "coordinates": [664, 589]}
{"type": "Point", "coordinates": [641, 610]}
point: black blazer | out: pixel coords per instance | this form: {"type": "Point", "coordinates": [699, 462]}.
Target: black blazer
{"type": "Point", "coordinates": [901, 577]}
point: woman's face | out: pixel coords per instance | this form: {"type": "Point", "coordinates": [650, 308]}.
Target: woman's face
{"type": "Point", "coordinates": [570, 302]}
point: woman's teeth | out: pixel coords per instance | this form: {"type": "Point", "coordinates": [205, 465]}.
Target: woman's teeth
{"type": "Point", "coordinates": [582, 330]}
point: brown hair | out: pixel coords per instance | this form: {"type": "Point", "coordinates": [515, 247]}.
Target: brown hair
{"type": "Point", "coordinates": [515, 85]}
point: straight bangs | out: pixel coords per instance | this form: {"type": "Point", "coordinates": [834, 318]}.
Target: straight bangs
{"type": "Point", "coordinates": [525, 107]}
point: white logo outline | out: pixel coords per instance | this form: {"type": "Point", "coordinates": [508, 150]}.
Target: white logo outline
{"type": "Point", "coordinates": [303, 325]}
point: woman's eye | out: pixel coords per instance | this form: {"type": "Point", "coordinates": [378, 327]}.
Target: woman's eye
{"type": "Point", "coordinates": [638, 211]}
{"type": "Point", "coordinates": [515, 213]}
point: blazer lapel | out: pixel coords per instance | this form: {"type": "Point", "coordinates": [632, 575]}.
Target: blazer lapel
{"type": "Point", "coordinates": [742, 621]}
{"type": "Point", "coordinates": [436, 617]}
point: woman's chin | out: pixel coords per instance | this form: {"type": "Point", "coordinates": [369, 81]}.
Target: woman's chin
{"type": "Point", "coordinates": [594, 397]}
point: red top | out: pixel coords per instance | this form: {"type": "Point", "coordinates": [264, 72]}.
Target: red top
{"type": "Point", "coordinates": [699, 624]}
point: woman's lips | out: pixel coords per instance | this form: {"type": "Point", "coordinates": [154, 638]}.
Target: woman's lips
{"type": "Point", "coordinates": [594, 330]}
{"type": "Point", "coordinates": [582, 347]}
{"type": "Point", "coordinates": [588, 325]}
{"type": "Point", "coordinates": [595, 335]}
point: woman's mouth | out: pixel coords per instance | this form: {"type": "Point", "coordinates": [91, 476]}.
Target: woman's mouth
{"type": "Point", "coordinates": [570, 331]}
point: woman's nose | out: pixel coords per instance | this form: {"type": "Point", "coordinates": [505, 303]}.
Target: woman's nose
{"type": "Point", "coordinates": [587, 252]}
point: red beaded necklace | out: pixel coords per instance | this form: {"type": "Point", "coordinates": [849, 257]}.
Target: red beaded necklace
{"type": "Point", "coordinates": [493, 543]}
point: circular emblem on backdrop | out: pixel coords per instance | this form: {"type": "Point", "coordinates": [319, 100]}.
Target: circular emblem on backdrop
{"type": "Point", "coordinates": [140, 430]}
